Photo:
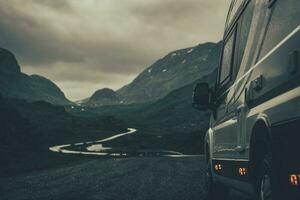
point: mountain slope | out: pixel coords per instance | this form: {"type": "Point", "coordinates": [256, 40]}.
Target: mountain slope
{"type": "Point", "coordinates": [103, 97]}
{"type": "Point", "coordinates": [15, 84]}
{"type": "Point", "coordinates": [172, 114]}
{"type": "Point", "coordinates": [177, 69]}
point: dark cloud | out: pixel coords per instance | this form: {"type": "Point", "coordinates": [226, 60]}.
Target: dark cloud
{"type": "Point", "coordinates": [58, 5]}
{"type": "Point", "coordinates": [72, 40]}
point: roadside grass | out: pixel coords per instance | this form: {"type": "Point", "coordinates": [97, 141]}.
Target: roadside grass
{"type": "Point", "coordinates": [186, 143]}
{"type": "Point", "coordinates": [15, 160]}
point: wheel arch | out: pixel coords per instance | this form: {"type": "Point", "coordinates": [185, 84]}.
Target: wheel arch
{"type": "Point", "coordinates": [208, 145]}
{"type": "Point", "coordinates": [260, 145]}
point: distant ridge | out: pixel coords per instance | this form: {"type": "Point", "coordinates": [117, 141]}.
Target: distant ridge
{"type": "Point", "coordinates": [15, 84]}
{"type": "Point", "coordinates": [103, 97]}
{"type": "Point", "coordinates": [177, 69]}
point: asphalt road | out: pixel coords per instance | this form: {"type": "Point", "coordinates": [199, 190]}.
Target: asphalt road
{"type": "Point", "coordinates": [96, 148]}
{"type": "Point", "coordinates": [111, 179]}
{"type": "Point", "coordinates": [96, 177]}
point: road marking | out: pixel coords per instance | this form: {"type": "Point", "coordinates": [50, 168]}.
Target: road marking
{"type": "Point", "coordinates": [60, 148]}
{"type": "Point", "coordinates": [183, 156]}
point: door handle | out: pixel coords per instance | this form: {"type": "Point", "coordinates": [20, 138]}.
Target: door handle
{"type": "Point", "coordinates": [239, 149]}
{"type": "Point", "coordinates": [294, 61]}
{"type": "Point", "coordinates": [257, 84]}
{"type": "Point", "coordinates": [240, 109]}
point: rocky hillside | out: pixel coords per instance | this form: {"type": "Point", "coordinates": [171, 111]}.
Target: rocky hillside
{"type": "Point", "coordinates": [15, 84]}
{"type": "Point", "coordinates": [170, 115]}
{"type": "Point", "coordinates": [103, 97]}
{"type": "Point", "coordinates": [177, 69]}
{"type": "Point", "coordinates": [174, 113]}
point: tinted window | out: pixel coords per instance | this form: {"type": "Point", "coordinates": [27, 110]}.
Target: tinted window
{"type": "Point", "coordinates": [285, 18]}
{"type": "Point", "coordinates": [244, 24]}
{"type": "Point", "coordinates": [227, 59]}
{"type": "Point", "coordinates": [234, 8]}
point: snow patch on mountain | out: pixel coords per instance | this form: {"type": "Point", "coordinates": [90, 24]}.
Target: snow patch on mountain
{"type": "Point", "coordinates": [190, 51]}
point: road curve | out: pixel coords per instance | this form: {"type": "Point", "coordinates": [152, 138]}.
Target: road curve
{"type": "Point", "coordinates": [61, 148]}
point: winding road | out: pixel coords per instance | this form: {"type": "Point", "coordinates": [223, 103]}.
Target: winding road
{"type": "Point", "coordinates": [96, 148]}
{"type": "Point", "coordinates": [62, 148]}
{"type": "Point", "coordinates": [173, 177]}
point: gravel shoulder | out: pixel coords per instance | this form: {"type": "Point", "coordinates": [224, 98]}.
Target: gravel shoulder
{"type": "Point", "coordinates": [128, 178]}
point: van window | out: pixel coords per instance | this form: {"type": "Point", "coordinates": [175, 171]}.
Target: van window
{"type": "Point", "coordinates": [227, 59]}
{"type": "Point", "coordinates": [285, 18]}
{"type": "Point", "coordinates": [244, 24]}
{"type": "Point", "coordinates": [234, 8]}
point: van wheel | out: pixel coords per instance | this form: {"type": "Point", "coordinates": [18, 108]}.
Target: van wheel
{"type": "Point", "coordinates": [215, 190]}
{"type": "Point", "coordinates": [265, 181]}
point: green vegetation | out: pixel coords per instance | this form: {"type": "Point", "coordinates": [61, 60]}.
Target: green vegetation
{"type": "Point", "coordinates": [158, 103]}
{"type": "Point", "coordinates": [28, 129]}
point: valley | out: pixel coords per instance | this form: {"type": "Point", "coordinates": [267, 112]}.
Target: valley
{"type": "Point", "coordinates": [91, 155]}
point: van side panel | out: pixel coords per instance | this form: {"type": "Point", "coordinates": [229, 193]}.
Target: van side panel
{"type": "Point", "coordinates": [267, 86]}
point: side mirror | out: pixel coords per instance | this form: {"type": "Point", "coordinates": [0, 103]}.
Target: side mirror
{"type": "Point", "coordinates": [202, 97]}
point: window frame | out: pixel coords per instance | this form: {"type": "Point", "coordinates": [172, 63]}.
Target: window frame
{"type": "Point", "coordinates": [228, 79]}
{"type": "Point", "coordinates": [230, 24]}
{"type": "Point", "coordinates": [231, 16]}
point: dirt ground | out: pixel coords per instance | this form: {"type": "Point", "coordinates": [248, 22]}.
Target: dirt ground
{"type": "Point", "coordinates": [149, 178]}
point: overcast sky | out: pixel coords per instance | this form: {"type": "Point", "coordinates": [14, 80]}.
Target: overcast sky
{"type": "Point", "coordinates": [85, 45]}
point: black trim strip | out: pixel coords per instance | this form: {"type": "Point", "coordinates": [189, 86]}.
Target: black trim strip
{"type": "Point", "coordinates": [285, 87]}
{"type": "Point", "coordinates": [271, 3]}
{"type": "Point", "coordinates": [285, 121]}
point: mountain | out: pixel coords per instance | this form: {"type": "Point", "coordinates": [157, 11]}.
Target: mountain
{"type": "Point", "coordinates": [175, 70]}
{"type": "Point", "coordinates": [15, 84]}
{"type": "Point", "coordinates": [14, 128]}
{"type": "Point", "coordinates": [103, 97]}
{"type": "Point", "coordinates": [174, 113]}
{"type": "Point", "coordinates": [169, 115]}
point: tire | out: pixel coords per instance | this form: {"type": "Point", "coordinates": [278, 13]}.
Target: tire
{"type": "Point", "coordinates": [265, 186]}
{"type": "Point", "coordinates": [215, 190]}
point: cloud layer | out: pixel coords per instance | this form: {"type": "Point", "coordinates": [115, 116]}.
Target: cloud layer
{"type": "Point", "coordinates": [87, 45]}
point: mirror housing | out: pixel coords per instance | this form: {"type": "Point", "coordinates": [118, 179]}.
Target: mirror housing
{"type": "Point", "coordinates": [202, 97]}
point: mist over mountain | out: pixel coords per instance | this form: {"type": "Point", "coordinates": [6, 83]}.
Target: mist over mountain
{"type": "Point", "coordinates": [15, 84]}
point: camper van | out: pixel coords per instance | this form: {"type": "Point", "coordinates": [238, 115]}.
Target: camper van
{"type": "Point", "coordinates": [253, 141]}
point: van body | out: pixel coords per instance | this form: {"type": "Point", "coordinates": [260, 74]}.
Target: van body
{"type": "Point", "coordinates": [254, 134]}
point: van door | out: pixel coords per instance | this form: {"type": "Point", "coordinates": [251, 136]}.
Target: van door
{"type": "Point", "coordinates": [229, 134]}
{"type": "Point", "coordinates": [225, 136]}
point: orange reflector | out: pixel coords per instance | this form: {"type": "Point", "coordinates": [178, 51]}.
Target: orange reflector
{"type": "Point", "coordinates": [294, 179]}
{"type": "Point", "coordinates": [242, 171]}
{"type": "Point", "coordinates": [218, 167]}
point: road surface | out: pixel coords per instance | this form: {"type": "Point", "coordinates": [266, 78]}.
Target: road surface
{"type": "Point", "coordinates": [62, 148]}
{"type": "Point", "coordinates": [112, 179]}
{"type": "Point", "coordinates": [96, 148]}
{"type": "Point", "coordinates": [181, 177]}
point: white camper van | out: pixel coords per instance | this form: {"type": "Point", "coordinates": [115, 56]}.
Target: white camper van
{"type": "Point", "coordinates": [253, 141]}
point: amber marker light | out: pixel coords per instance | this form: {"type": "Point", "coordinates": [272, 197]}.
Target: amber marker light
{"type": "Point", "coordinates": [294, 179]}
{"type": "Point", "coordinates": [218, 167]}
{"type": "Point", "coordinates": [242, 171]}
